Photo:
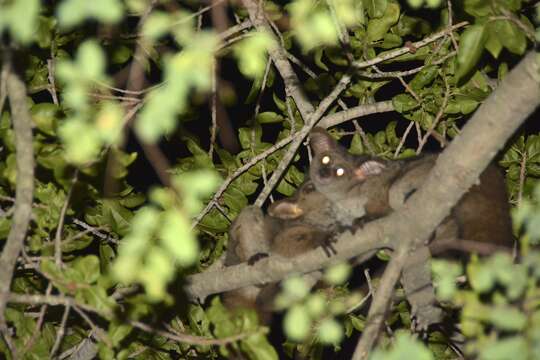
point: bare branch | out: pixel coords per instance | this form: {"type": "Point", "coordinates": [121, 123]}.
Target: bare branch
{"type": "Point", "coordinates": [22, 126]}
{"type": "Point", "coordinates": [60, 227]}
{"type": "Point", "coordinates": [279, 57]}
{"type": "Point", "coordinates": [406, 49]}
{"type": "Point", "coordinates": [355, 112]}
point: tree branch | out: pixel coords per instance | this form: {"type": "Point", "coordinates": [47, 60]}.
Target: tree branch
{"type": "Point", "coordinates": [22, 126]}
{"type": "Point", "coordinates": [406, 49]}
{"type": "Point", "coordinates": [355, 112]}
{"type": "Point", "coordinates": [279, 57]}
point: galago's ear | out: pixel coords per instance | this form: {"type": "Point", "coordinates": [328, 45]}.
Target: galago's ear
{"type": "Point", "coordinates": [285, 209]}
{"type": "Point", "coordinates": [368, 168]}
{"type": "Point", "coordinates": [320, 141]}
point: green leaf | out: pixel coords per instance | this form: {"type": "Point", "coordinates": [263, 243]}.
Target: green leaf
{"type": "Point", "coordinates": [478, 8]}
{"type": "Point", "coordinates": [424, 77]}
{"type": "Point", "coordinates": [297, 323]}
{"type": "Point", "coordinates": [313, 24]}
{"type": "Point", "coordinates": [88, 266]}
{"type": "Point", "coordinates": [194, 186]}
{"type": "Point", "coordinates": [515, 348]}
{"type": "Point", "coordinates": [375, 8]}
{"type": "Point", "coordinates": [178, 239]}
{"type": "Point", "coordinates": [481, 277]}
{"type": "Point", "coordinates": [330, 331]}
{"type": "Point", "coordinates": [109, 122]}
{"type": "Point", "coordinates": [157, 25]}
{"type": "Point", "coordinates": [118, 332]}
{"type": "Point", "coordinates": [507, 318]}
{"type": "Point", "coordinates": [391, 41]}
{"type": "Point", "coordinates": [116, 216]}
{"type": "Point", "coordinates": [377, 28]}
{"type": "Point", "coordinates": [461, 105]}
{"type": "Point", "coordinates": [391, 136]}
{"type": "Point", "coordinates": [358, 322]}
{"type": "Point", "coordinates": [252, 54]}
{"type": "Point", "coordinates": [404, 347]}
{"type": "Point", "coordinates": [44, 115]}
{"type": "Point", "coordinates": [317, 58]}
{"type": "Point", "coordinates": [404, 102]}
{"type": "Point", "coordinates": [316, 305]}
{"type": "Point", "coordinates": [157, 271]}
{"type": "Point", "coordinates": [446, 273]}
{"type": "Point", "coordinates": [295, 287]}
{"type": "Point", "coordinates": [80, 148]}
{"type": "Point", "coordinates": [337, 274]}
{"type": "Point", "coordinates": [258, 348]}
{"type": "Point", "coordinates": [470, 49]}
{"type": "Point", "coordinates": [511, 36]}
{"type": "Point", "coordinates": [409, 25]}
{"type": "Point", "coordinates": [493, 44]}
{"type": "Point", "coordinates": [73, 12]}
{"type": "Point", "coordinates": [158, 116]}
{"type": "Point", "coordinates": [349, 12]}
{"type": "Point", "coordinates": [21, 17]}
{"type": "Point", "coordinates": [96, 297]}
{"type": "Point", "coordinates": [91, 59]}
{"type": "Point", "coordinates": [269, 117]}
{"type": "Point", "coordinates": [357, 145]}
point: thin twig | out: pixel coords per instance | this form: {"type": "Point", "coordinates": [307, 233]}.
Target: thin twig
{"type": "Point", "coordinates": [61, 332]}
{"type": "Point", "coordinates": [126, 99]}
{"type": "Point", "coordinates": [407, 49]}
{"type": "Point", "coordinates": [51, 75]}
{"type": "Point", "coordinates": [508, 16]}
{"type": "Point", "coordinates": [277, 53]}
{"type": "Point", "coordinates": [246, 24]}
{"type": "Point", "coordinates": [39, 323]}
{"type": "Point", "coordinates": [197, 13]}
{"type": "Point", "coordinates": [301, 65]}
{"type": "Point", "coordinates": [189, 339]}
{"type": "Point", "coordinates": [3, 87]}
{"type": "Point", "coordinates": [355, 112]}
{"type": "Point", "coordinates": [358, 129]}
{"type": "Point", "coordinates": [403, 138]}
{"type": "Point", "coordinates": [450, 19]}
{"type": "Point", "coordinates": [522, 176]}
{"type": "Point", "coordinates": [129, 92]}
{"type": "Point", "coordinates": [60, 227]}
{"type": "Point", "coordinates": [257, 108]}
{"type": "Point", "coordinates": [213, 105]}
{"type": "Point", "coordinates": [93, 230]}
{"type": "Point", "coordinates": [237, 173]}
{"type": "Point", "coordinates": [100, 333]}
{"type": "Point", "coordinates": [395, 74]}
{"type": "Point", "coordinates": [312, 120]}
{"type": "Point", "coordinates": [437, 118]}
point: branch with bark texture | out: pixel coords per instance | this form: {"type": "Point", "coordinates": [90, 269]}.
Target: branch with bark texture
{"type": "Point", "coordinates": [22, 126]}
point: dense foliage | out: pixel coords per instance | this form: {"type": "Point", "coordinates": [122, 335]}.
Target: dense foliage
{"type": "Point", "coordinates": [105, 257]}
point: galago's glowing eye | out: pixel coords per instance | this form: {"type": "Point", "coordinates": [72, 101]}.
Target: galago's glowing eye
{"type": "Point", "coordinates": [340, 171]}
{"type": "Point", "coordinates": [325, 160]}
